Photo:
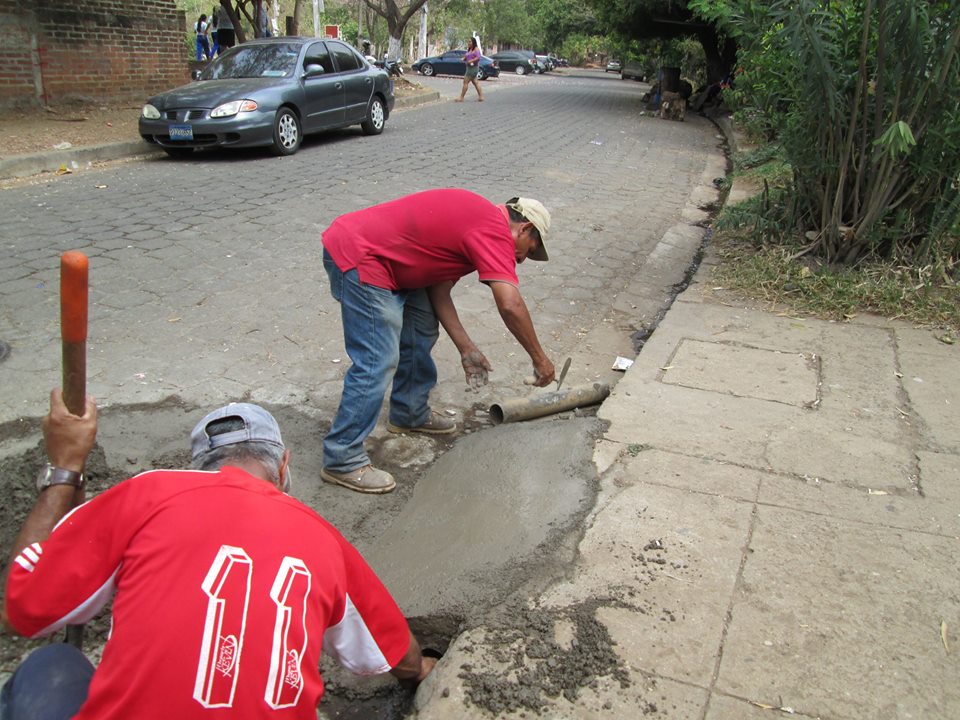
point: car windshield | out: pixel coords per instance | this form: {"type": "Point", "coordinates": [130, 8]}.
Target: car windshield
{"type": "Point", "coordinates": [273, 60]}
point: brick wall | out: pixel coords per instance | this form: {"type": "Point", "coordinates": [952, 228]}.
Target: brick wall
{"type": "Point", "coordinates": [53, 51]}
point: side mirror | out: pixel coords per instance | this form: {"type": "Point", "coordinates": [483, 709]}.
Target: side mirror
{"type": "Point", "coordinates": [195, 75]}
{"type": "Point", "coordinates": [313, 69]}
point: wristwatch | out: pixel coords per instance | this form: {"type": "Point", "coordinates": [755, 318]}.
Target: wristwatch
{"type": "Point", "coordinates": [50, 475]}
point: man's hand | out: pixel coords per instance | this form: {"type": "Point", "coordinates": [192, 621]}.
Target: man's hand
{"type": "Point", "coordinates": [426, 667]}
{"type": "Point", "coordinates": [69, 438]}
{"type": "Point", "coordinates": [475, 368]}
{"type": "Point", "coordinates": [544, 373]}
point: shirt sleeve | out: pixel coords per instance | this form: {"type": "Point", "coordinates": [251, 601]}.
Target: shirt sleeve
{"type": "Point", "coordinates": [372, 635]}
{"type": "Point", "coordinates": [68, 578]}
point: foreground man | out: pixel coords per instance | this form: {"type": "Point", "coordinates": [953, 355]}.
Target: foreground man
{"type": "Point", "coordinates": [391, 268]}
{"type": "Point", "coordinates": [226, 587]}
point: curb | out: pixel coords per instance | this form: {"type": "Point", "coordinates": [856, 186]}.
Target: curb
{"type": "Point", "coordinates": [23, 166]}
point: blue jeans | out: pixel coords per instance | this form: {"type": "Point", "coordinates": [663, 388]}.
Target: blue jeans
{"type": "Point", "coordinates": [51, 684]}
{"type": "Point", "coordinates": [387, 334]}
{"type": "Point", "coordinates": [203, 48]}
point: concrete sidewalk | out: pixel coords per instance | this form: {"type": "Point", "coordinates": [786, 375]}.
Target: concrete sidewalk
{"type": "Point", "coordinates": [776, 534]}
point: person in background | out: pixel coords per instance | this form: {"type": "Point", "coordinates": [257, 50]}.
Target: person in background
{"type": "Point", "coordinates": [226, 35]}
{"type": "Point", "coordinates": [226, 590]}
{"type": "Point", "coordinates": [201, 28]}
{"type": "Point", "coordinates": [214, 35]}
{"type": "Point", "coordinates": [472, 59]}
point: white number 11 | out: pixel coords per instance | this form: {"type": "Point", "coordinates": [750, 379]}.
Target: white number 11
{"type": "Point", "coordinates": [227, 585]}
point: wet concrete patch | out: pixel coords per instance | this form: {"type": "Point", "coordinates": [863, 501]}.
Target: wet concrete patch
{"type": "Point", "coordinates": [489, 506]}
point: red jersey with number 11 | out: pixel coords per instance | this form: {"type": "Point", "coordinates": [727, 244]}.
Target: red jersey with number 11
{"type": "Point", "coordinates": [226, 589]}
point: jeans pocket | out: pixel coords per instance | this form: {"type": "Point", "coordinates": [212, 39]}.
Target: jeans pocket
{"type": "Point", "coordinates": [335, 276]}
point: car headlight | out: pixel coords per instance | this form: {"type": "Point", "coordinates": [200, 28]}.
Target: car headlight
{"type": "Point", "coordinates": [150, 112]}
{"type": "Point", "coordinates": [232, 108]}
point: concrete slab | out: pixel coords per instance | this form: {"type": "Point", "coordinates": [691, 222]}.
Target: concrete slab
{"type": "Point", "coordinates": [668, 558]}
{"type": "Point", "coordinates": [933, 397]}
{"type": "Point", "coordinates": [745, 371]}
{"type": "Point", "coordinates": [840, 619]}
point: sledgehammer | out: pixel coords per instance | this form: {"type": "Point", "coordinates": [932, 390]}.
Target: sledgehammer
{"type": "Point", "coordinates": [74, 270]}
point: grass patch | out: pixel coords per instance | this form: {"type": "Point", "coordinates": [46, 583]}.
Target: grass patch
{"type": "Point", "coordinates": [780, 274]}
{"type": "Point", "coordinates": [773, 274]}
{"type": "Point", "coordinates": [763, 164]}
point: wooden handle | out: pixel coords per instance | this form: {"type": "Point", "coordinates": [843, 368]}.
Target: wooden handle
{"type": "Point", "coordinates": [74, 270]}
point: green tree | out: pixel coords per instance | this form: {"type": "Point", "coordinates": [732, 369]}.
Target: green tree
{"type": "Point", "coordinates": [668, 20]}
{"type": "Point", "coordinates": [863, 96]}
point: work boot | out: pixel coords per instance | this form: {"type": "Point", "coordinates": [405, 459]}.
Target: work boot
{"type": "Point", "coordinates": [366, 479]}
{"type": "Point", "coordinates": [436, 424]}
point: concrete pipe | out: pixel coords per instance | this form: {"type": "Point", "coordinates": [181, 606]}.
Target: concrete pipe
{"type": "Point", "coordinates": [549, 403]}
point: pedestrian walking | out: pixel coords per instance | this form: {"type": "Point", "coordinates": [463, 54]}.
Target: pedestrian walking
{"type": "Point", "coordinates": [201, 28]}
{"type": "Point", "coordinates": [472, 59]}
{"type": "Point", "coordinates": [226, 589]}
{"type": "Point", "coordinates": [226, 35]}
{"type": "Point", "coordinates": [214, 34]}
{"type": "Point", "coordinates": [392, 268]}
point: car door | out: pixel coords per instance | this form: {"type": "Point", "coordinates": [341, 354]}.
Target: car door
{"type": "Point", "coordinates": [324, 93]}
{"type": "Point", "coordinates": [451, 63]}
{"type": "Point", "coordinates": [357, 80]}
{"type": "Point", "coordinates": [506, 61]}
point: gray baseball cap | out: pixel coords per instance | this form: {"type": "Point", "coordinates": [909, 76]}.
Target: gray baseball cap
{"type": "Point", "coordinates": [258, 426]}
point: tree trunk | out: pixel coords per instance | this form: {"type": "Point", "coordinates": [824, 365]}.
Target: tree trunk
{"type": "Point", "coordinates": [297, 16]}
{"type": "Point", "coordinates": [721, 55]}
{"type": "Point", "coordinates": [394, 48]}
{"type": "Point", "coordinates": [422, 35]}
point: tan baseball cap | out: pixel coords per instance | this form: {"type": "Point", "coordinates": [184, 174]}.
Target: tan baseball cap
{"type": "Point", "coordinates": [536, 213]}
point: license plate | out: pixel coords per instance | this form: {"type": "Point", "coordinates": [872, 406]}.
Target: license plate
{"type": "Point", "coordinates": [181, 132]}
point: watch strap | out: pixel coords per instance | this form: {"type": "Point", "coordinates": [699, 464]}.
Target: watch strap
{"type": "Point", "coordinates": [51, 475]}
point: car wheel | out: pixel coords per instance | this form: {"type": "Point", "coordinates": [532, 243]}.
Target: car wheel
{"type": "Point", "coordinates": [376, 117]}
{"type": "Point", "coordinates": [178, 152]}
{"type": "Point", "coordinates": [521, 70]}
{"type": "Point", "coordinates": [286, 132]}
{"type": "Point", "coordinates": [427, 69]}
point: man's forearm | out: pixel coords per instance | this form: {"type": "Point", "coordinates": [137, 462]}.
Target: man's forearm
{"type": "Point", "coordinates": [517, 318]}
{"type": "Point", "coordinates": [53, 503]}
{"type": "Point", "coordinates": [410, 666]}
{"type": "Point", "coordinates": [446, 313]}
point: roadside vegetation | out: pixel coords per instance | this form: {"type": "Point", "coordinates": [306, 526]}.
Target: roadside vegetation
{"type": "Point", "coordinates": [854, 107]}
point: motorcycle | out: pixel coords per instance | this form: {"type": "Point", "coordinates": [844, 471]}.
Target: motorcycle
{"type": "Point", "coordinates": [393, 67]}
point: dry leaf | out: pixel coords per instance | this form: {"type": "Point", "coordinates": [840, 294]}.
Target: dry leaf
{"type": "Point", "coordinates": [946, 339]}
{"type": "Point", "coordinates": [876, 492]}
{"type": "Point", "coordinates": [943, 635]}
{"type": "Point", "coordinates": [171, 320]}
{"type": "Point", "coordinates": [64, 170]}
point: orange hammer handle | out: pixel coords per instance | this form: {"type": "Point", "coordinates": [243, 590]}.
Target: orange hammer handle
{"type": "Point", "coordinates": [74, 273]}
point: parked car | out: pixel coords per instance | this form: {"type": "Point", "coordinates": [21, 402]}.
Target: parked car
{"type": "Point", "coordinates": [514, 61]}
{"type": "Point", "coordinates": [451, 63]}
{"type": "Point", "coordinates": [547, 62]}
{"type": "Point", "coordinates": [632, 70]}
{"type": "Point", "coordinates": [613, 66]}
{"type": "Point", "coordinates": [538, 66]}
{"type": "Point", "coordinates": [270, 91]}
